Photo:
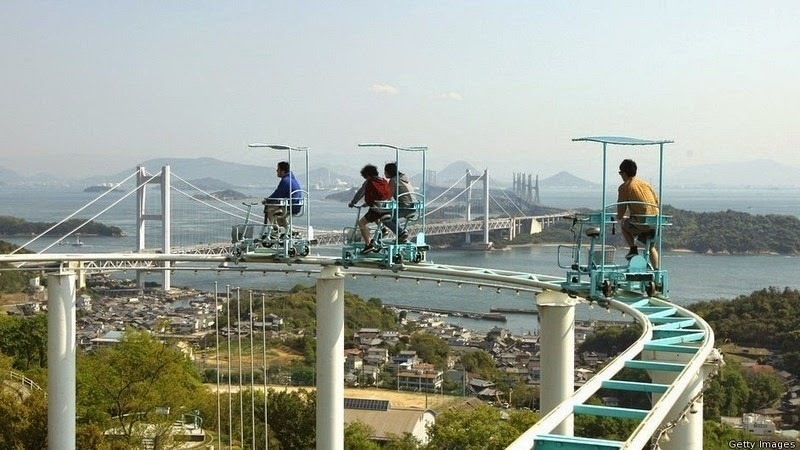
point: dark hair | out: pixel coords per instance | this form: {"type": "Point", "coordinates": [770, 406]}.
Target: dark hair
{"type": "Point", "coordinates": [369, 171]}
{"type": "Point", "coordinates": [390, 169]}
{"type": "Point", "coordinates": [629, 167]}
{"type": "Point", "coordinates": [283, 166]}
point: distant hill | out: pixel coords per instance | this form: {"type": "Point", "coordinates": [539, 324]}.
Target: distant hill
{"type": "Point", "coordinates": [211, 184]}
{"type": "Point", "coordinates": [566, 179]}
{"type": "Point", "coordinates": [453, 172]}
{"type": "Point", "coordinates": [215, 174]}
{"type": "Point", "coordinates": [8, 176]}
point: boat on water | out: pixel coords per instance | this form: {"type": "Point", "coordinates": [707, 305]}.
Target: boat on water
{"type": "Point", "coordinates": [76, 243]}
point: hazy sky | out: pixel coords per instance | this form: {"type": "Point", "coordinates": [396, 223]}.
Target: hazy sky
{"type": "Point", "coordinates": [89, 87]}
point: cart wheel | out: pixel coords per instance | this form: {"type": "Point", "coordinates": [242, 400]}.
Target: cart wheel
{"type": "Point", "coordinates": [398, 258]}
{"type": "Point", "coordinates": [418, 257]}
{"type": "Point", "coordinates": [651, 289]}
{"type": "Point", "coordinates": [304, 250]}
{"type": "Point", "coordinates": [291, 252]}
{"type": "Point", "coordinates": [608, 289]}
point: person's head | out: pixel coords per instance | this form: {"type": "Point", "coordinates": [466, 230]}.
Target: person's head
{"type": "Point", "coordinates": [283, 168]}
{"type": "Point", "coordinates": [390, 170]}
{"type": "Point", "coordinates": [628, 167]}
{"type": "Point", "coordinates": [369, 171]}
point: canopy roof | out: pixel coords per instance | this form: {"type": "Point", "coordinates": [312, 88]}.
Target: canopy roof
{"type": "Point", "coordinates": [620, 140]}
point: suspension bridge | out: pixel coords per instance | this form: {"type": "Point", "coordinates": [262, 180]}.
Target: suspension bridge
{"type": "Point", "coordinates": [676, 347]}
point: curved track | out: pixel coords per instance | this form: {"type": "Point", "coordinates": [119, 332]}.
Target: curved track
{"type": "Point", "coordinates": [676, 346]}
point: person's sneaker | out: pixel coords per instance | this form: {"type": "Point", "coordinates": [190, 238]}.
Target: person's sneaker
{"type": "Point", "coordinates": [384, 230]}
{"type": "Point", "coordinates": [369, 248]}
{"type": "Point", "coordinates": [633, 252]}
{"type": "Point", "coordinates": [403, 238]}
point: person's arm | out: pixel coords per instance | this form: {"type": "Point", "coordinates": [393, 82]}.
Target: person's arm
{"type": "Point", "coordinates": [621, 208]}
{"type": "Point", "coordinates": [359, 193]}
{"type": "Point", "coordinates": [283, 190]}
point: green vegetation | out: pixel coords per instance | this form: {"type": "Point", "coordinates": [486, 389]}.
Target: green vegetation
{"type": "Point", "coordinates": [24, 340]}
{"type": "Point", "coordinates": [708, 232]}
{"type": "Point", "coordinates": [24, 424]}
{"type": "Point", "coordinates": [12, 281]}
{"type": "Point", "coordinates": [767, 318]}
{"type": "Point", "coordinates": [12, 226]}
{"type": "Point", "coordinates": [611, 339]}
{"type": "Point", "coordinates": [298, 308]}
{"type": "Point", "coordinates": [481, 428]}
{"type": "Point", "coordinates": [139, 381]}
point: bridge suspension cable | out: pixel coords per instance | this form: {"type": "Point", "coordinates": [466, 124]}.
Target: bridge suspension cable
{"type": "Point", "coordinates": [452, 199]}
{"type": "Point", "coordinates": [75, 213]}
{"type": "Point", "coordinates": [513, 203]}
{"type": "Point", "coordinates": [182, 192]}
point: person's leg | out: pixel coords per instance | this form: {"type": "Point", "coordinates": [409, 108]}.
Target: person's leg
{"type": "Point", "coordinates": [270, 219]}
{"type": "Point", "coordinates": [390, 225]}
{"type": "Point", "coordinates": [627, 233]}
{"type": "Point", "coordinates": [653, 256]}
{"type": "Point", "coordinates": [625, 227]}
{"type": "Point", "coordinates": [362, 227]}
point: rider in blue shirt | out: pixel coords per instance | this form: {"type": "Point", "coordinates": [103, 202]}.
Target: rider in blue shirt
{"type": "Point", "coordinates": [288, 188]}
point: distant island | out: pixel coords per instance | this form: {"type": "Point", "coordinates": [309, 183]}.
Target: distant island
{"type": "Point", "coordinates": [715, 233]}
{"type": "Point", "coordinates": [12, 226]}
{"type": "Point", "coordinates": [227, 195]}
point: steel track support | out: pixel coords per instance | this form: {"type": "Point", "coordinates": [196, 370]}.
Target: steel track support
{"type": "Point", "coordinates": [330, 359]}
{"type": "Point", "coordinates": [61, 351]}
{"type": "Point", "coordinates": [557, 343]}
{"type": "Point", "coordinates": [686, 414]}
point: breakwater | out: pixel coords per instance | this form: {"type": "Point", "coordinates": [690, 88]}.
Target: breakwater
{"type": "Point", "coordinates": [451, 312]}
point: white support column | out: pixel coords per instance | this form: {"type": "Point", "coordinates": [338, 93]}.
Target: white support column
{"type": "Point", "coordinates": [141, 199]}
{"type": "Point", "coordinates": [486, 207]}
{"type": "Point", "coordinates": [688, 411]}
{"type": "Point", "coordinates": [557, 344]}
{"type": "Point", "coordinates": [141, 220]}
{"type": "Point", "coordinates": [330, 359]}
{"type": "Point", "coordinates": [469, 178]}
{"type": "Point", "coordinates": [166, 223]}
{"type": "Point", "coordinates": [61, 349]}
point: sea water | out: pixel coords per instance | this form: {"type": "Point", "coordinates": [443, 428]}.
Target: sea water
{"type": "Point", "coordinates": [692, 277]}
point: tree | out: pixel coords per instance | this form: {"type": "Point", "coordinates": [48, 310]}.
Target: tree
{"type": "Point", "coordinates": [357, 437]}
{"type": "Point", "coordinates": [481, 428]}
{"type": "Point", "coordinates": [717, 436]}
{"type": "Point", "coordinates": [134, 383]}
{"type": "Point", "coordinates": [481, 363]}
{"type": "Point", "coordinates": [727, 393]}
{"type": "Point", "coordinates": [430, 348]}
{"type": "Point", "coordinates": [765, 390]}
{"type": "Point", "coordinates": [24, 423]}
{"type": "Point", "coordinates": [292, 418]}
{"type": "Point", "coordinates": [24, 339]}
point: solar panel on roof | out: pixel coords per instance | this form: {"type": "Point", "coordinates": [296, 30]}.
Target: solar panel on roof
{"type": "Point", "coordinates": [367, 404]}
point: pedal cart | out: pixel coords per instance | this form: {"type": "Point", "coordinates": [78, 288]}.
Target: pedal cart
{"type": "Point", "coordinates": [267, 239]}
{"type": "Point", "coordinates": [590, 260]}
{"type": "Point", "coordinates": [399, 234]}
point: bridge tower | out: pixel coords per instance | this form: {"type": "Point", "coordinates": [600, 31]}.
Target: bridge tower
{"type": "Point", "coordinates": [161, 180]}
{"type": "Point", "coordinates": [470, 179]}
{"type": "Point", "coordinates": [526, 187]}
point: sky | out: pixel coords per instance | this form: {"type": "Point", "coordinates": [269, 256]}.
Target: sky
{"type": "Point", "coordinates": [96, 87]}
